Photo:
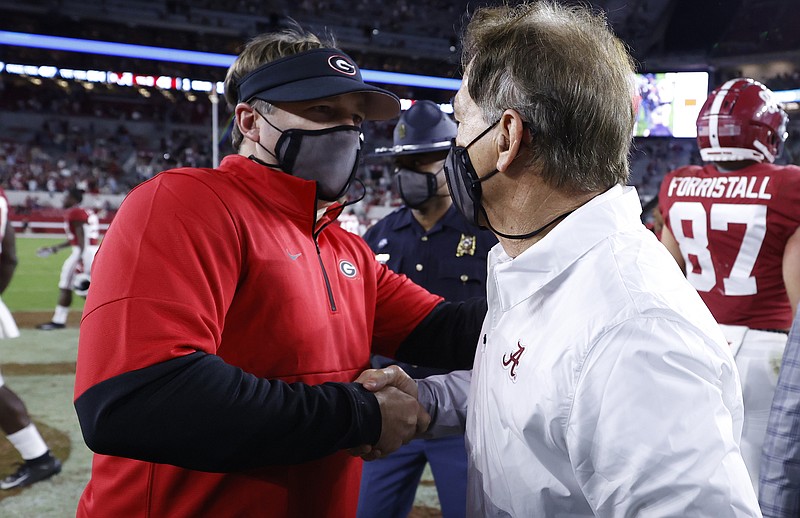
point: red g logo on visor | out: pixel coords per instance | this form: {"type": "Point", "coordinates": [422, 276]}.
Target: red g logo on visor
{"type": "Point", "coordinates": [342, 64]}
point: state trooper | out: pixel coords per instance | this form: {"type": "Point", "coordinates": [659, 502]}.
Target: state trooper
{"type": "Point", "coordinates": [429, 241]}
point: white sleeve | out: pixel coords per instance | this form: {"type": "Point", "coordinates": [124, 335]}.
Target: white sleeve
{"type": "Point", "coordinates": [655, 424]}
{"type": "Point", "coordinates": [445, 399]}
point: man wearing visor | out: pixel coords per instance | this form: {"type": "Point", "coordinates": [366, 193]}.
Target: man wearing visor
{"type": "Point", "coordinates": [216, 378]}
{"type": "Point", "coordinates": [431, 243]}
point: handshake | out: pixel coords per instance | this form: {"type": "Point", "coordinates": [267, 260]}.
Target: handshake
{"type": "Point", "coordinates": [402, 417]}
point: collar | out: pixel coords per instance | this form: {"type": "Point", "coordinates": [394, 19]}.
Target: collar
{"type": "Point", "coordinates": [451, 218]}
{"type": "Point", "coordinates": [614, 211]}
{"type": "Point", "coordinates": [331, 214]}
{"type": "Point", "coordinates": [294, 197]}
{"type": "Point", "coordinates": [404, 218]}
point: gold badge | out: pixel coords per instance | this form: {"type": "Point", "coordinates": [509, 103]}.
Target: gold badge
{"type": "Point", "coordinates": [401, 131]}
{"type": "Point", "coordinates": [466, 246]}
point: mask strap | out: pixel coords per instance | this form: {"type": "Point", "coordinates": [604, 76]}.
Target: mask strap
{"type": "Point", "coordinates": [343, 205]}
{"type": "Point", "coordinates": [484, 132]}
{"type": "Point", "coordinates": [529, 234]}
{"type": "Point", "coordinates": [259, 161]}
{"type": "Point", "coordinates": [486, 176]}
{"type": "Point", "coordinates": [538, 230]}
{"type": "Point", "coordinates": [267, 121]}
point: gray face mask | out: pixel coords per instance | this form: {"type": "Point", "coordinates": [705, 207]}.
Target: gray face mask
{"type": "Point", "coordinates": [328, 156]}
{"type": "Point", "coordinates": [416, 187]}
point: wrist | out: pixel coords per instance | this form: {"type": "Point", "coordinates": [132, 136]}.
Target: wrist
{"type": "Point", "coordinates": [367, 415]}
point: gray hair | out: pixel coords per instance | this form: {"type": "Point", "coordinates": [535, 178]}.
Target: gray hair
{"type": "Point", "coordinates": [567, 75]}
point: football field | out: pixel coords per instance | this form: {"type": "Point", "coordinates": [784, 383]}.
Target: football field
{"type": "Point", "coordinates": [40, 367]}
{"type": "Point", "coordinates": [34, 286]}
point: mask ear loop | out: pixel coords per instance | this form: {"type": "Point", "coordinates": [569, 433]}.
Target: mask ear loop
{"type": "Point", "coordinates": [437, 185]}
{"type": "Point", "coordinates": [342, 206]}
{"type": "Point", "coordinates": [479, 208]}
{"type": "Point", "coordinates": [279, 165]}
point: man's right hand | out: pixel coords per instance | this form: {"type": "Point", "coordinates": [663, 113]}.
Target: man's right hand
{"type": "Point", "coordinates": [401, 414]}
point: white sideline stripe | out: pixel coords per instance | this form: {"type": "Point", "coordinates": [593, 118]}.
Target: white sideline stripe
{"type": "Point", "coordinates": [30, 231]}
{"type": "Point", "coordinates": [47, 224]}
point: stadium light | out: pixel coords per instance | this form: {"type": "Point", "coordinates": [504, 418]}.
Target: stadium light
{"type": "Point", "coordinates": [192, 57]}
{"type": "Point", "coordinates": [787, 96]}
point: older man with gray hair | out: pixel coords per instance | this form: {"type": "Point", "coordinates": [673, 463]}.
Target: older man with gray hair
{"type": "Point", "coordinates": [602, 386]}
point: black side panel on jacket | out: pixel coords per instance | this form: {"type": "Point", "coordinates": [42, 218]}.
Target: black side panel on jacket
{"type": "Point", "coordinates": [448, 337]}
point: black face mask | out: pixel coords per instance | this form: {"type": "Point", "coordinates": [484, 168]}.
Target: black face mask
{"type": "Point", "coordinates": [327, 156]}
{"type": "Point", "coordinates": [416, 187]}
{"type": "Point", "coordinates": [465, 188]}
{"type": "Point", "coordinates": [464, 182]}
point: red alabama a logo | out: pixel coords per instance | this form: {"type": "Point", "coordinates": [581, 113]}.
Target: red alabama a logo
{"type": "Point", "coordinates": [513, 360]}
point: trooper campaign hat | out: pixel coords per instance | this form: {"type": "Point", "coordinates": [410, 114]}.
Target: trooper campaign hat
{"type": "Point", "coordinates": [423, 128]}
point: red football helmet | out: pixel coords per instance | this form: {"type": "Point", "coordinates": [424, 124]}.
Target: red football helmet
{"type": "Point", "coordinates": [741, 120]}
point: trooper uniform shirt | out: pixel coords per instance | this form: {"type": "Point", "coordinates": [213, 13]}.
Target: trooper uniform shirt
{"type": "Point", "coordinates": [449, 260]}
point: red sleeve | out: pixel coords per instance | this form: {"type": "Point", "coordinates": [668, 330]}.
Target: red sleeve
{"type": "Point", "coordinates": [77, 215]}
{"type": "Point", "coordinates": [165, 274]}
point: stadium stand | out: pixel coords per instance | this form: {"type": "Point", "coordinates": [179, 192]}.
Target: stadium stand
{"type": "Point", "coordinates": [55, 134]}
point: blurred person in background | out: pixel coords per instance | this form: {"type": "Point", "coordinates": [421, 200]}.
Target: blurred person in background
{"type": "Point", "coordinates": [83, 238]}
{"type": "Point", "coordinates": [733, 226]}
{"type": "Point", "coordinates": [39, 463]}
{"type": "Point", "coordinates": [779, 481]}
{"type": "Point", "coordinates": [430, 242]}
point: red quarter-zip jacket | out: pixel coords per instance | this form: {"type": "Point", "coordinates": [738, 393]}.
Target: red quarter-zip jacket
{"type": "Point", "coordinates": [220, 338]}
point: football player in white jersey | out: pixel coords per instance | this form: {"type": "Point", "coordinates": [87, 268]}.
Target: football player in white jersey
{"type": "Point", "coordinates": [82, 227]}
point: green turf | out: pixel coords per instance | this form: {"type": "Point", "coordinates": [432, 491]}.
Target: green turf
{"type": "Point", "coordinates": [35, 283]}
